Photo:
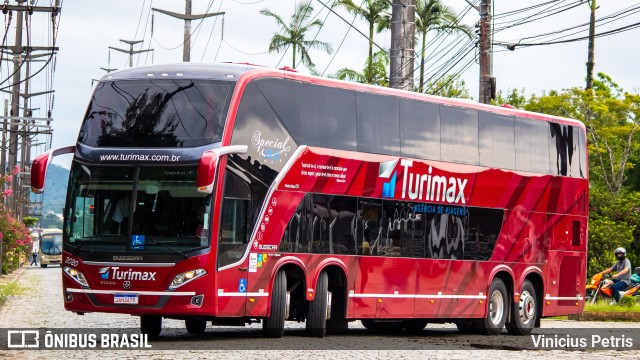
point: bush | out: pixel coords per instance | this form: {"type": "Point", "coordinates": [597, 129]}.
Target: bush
{"type": "Point", "coordinates": [628, 301]}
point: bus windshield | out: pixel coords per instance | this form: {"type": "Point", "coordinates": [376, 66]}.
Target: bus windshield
{"type": "Point", "coordinates": [51, 244]}
{"type": "Point", "coordinates": [156, 113]}
{"type": "Point", "coordinates": [136, 209]}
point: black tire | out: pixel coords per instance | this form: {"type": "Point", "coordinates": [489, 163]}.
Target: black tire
{"type": "Point", "coordinates": [524, 314]}
{"type": "Point", "coordinates": [43, 265]}
{"type": "Point", "coordinates": [273, 326]}
{"type": "Point", "coordinates": [195, 326]}
{"type": "Point", "coordinates": [317, 317]}
{"type": "Point", "coordinates": [467, 326]}
{"type": "Point", "coordinates": [415, 325]}
{"type": "Point", "coordinates": [151, 325]}
{"type": "Point", "coordinates": [497, 305]}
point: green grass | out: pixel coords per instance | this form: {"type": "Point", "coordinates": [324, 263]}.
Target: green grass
{"type": "Point", "coordinates": [10, 290]}
{"type": "Point", "coordinates": [604, 306]}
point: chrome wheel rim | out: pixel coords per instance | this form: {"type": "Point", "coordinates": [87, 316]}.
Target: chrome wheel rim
{"type": "Point", "coordinates": [527, 307]}
{"type": "Point", "coordinates": [496, 307]}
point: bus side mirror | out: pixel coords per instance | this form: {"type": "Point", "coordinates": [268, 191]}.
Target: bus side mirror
{"type": "Point", "coordinates": [41, 164]}
{"type": "Point", "coordinates": [208, 163]}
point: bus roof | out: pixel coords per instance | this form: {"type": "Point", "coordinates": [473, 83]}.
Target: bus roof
{"type": "Point", "coordinates": [246, 71]}
{"type": "Point", "coordinates": [50, 231]}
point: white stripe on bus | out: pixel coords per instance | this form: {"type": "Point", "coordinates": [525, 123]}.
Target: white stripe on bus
{"type": "Point", "coordinates": [417, 296]}
{"type": "Point", "coordinates": [577, 297]}
{"type": "Point", "coordinates": [153, 293]}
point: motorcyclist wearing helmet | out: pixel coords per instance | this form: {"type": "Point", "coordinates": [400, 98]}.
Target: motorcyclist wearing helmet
{"type": "Point", "coordinates": [622, 278]}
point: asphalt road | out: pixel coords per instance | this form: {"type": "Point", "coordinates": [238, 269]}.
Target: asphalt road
{"type": "Point", "coordinates": [41, 306]}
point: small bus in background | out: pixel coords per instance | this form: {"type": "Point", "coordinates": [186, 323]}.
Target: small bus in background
{"type": "Point", "coordinates": [50, 247]}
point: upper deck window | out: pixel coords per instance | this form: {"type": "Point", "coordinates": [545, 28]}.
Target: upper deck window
{"type": "Point", "coordinates": [156, 113]}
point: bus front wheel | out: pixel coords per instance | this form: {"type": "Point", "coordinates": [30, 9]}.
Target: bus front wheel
{"type": "Point", "coordinates": [273, 326]}
{"type": "Point", "coordinates": [318, 308]}
{"type": "Point", "coordinates": [497, 305]}
{"type": "Point", "coordinates": [151, 325]}
{"type": "Point", "coordinates": [195, 326]}
{"type": "Point", "coordinates": [525, 312]}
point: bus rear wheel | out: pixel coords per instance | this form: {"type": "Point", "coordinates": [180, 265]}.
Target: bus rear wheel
{"type": "Point", "coordinates": [497, 305]}
{"type": "Point", "coordinates": [43, 265]}
{"type": "Point", "coordinates": [525, 313]}
{"type": "Point", "coordinates": [319, 308]}
{"type": "Point", "coordinates": [273, 326]}
{"type": "Point", "coordinates": [151, 325]}
{"type": "Point", "coordinates": [195, 326]}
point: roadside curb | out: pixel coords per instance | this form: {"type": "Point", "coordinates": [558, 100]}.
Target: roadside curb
{"type": "Point", "coordinates": [606, 316]}
{"type": "Point", "coordinates": [13, 276]}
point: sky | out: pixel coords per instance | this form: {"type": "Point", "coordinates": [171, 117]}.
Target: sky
{"type": "Point", "coordinates": [88, 27]}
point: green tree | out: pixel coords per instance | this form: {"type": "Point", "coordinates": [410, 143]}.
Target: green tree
{"type": "Point", "coordinates": [434, 15]}
{"type": "Point", "coordinates": [450, 86]}
{"type": "Point", "coordinates": [373, 73]}
{"type": "Point", "coordinates": [294, 34]}
{"type": "Point", "coordinates": [29, 221]}
{"type": "Point", "coordinates": [374, 12]}
{"type": "Point", "coordinates": [612, 118]}
{"type": "Point", "coordinates": [51, 221]}
{"type": "Point", "coordinates": [513, 97]}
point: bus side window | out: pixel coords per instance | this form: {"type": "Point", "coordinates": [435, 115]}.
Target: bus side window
{"type": "Point", "coordinates": [234, 226]}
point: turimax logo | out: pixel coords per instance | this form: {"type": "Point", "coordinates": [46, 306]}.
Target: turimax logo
{"type": "Point", "coordinates": [386, 169]}
{"type": "Point", "coordinates": [431, 188]}
{"type": "Point", "coordinates": [104, 273]}
{"type": "Point", "coordinates": [126, 274]}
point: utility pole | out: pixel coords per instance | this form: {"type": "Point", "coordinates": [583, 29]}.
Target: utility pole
{"type": "Point", "coordinates": [3, 159]}
{"type": "Point", "coordinates": [487, 82]}
{"type": "Point", "coordinates": [187, 17]}
{"type": "Point", "coordinates": [403, 28]}
{"type": "Point", "coordinates": [592, 35]}
{"type": "Point", "coordinates": [21, 56]}
{"type": "Point", "coordinates": [130, 51]}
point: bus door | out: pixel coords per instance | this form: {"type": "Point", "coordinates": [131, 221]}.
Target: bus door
{"type": "Point", "coordinates": [232, 243]}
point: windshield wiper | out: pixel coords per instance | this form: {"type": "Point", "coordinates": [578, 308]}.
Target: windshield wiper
{"type": "Point", "coordinates": [87, 240]}
{"type": "Point", "coordinates": [168, 247]}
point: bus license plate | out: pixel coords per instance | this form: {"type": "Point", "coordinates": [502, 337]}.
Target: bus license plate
{"type": "Point", "coordinates": [131, 299]}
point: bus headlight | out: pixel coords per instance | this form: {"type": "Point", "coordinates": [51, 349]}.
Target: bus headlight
{"type": "Point", "coordinates": [185, 277]}
{"type": "Point", "coordinates": [76, 275]}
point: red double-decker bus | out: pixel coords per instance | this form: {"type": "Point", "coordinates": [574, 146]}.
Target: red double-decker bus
{"type": "Point", "coordinates": [233, 193]}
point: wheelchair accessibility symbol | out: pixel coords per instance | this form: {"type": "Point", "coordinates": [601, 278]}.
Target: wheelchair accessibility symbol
{"type": "Point", "coordinates": [242, 285]}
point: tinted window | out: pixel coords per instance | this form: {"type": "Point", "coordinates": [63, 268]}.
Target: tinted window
{"type": "Point", "coordinates": [420, 129]}
{"type": "Point", "coordinates": [532, 149]}
{"type": "Point", "coordinates": [234, 224]}
{"type": "Point", "coordinates": [582, 147]}
{"type": "Point", "coordinates": [156, 113]}
{"type": "Point", "coordinates": [284, 96]}
{"type": "Point", "coordinates": [459, 134]}
{"type": "Point", "coordinates": [258, 126]}
{"type": "Point", "coordinates": [564, 154]}
{"type": "Point", "coordinates": [484, 229]}
{"type": "Point", "coordinates": [496, 141]}
{"type": "Point", "coordinates": [378, 129]}
{"type": "Point", "coordinates": [376, 227]}
{"type": "Point", "coordinates": [329, 117]}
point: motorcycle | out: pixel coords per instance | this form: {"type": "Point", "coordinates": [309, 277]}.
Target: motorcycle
{"type": "Point", "coordinates": [600, 286]}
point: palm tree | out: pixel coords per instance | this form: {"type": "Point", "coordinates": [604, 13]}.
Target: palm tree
{"type": "Point", "coordinates": [293, 34]}
{"type": "Point", "coordinates": [374, 12]}
{"type": "Point", "coordinates": [374, 72]}
{"type": "Point", "coordinates": [434, 15]}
